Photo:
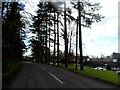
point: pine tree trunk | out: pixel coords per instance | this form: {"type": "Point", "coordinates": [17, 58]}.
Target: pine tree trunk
{"type": "Point", "coordinates": [80, 36]}
{"type": "Point", "coordinates": [46, 54]}
{"type": "Point", "coordinates": [49, 45]}
{"type": "Point", "coordinates": [39, 46]}
{"type": "Point", "coordinates": [42, 42]}
{"type": "Point", "coordinates": [76, 44]}
{"type": "Point", "coordinates": [57, 39]}
{"type": "Point", "coordinates": [54, 40]}
{"type": "Point", "coordinates": [65, 36]}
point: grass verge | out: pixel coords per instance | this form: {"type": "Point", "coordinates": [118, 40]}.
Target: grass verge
{"type": "Point", "coordinates": [10, 68]}
{"type": "Point", "coordinates": [105, 75]}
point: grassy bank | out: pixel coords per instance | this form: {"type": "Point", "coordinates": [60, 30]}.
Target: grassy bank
{"type": "Point", "coordinates": [9, 68]}
{"type": "Point", "coordinates": [105, 75]}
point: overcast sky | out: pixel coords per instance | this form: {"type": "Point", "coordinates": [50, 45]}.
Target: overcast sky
{"type": "Point", "coordinates": [102, 38]}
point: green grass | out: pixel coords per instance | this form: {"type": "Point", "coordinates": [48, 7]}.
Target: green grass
{"type": "Point", "coordinates": [104, 75]}
{"type": "Point", "coordinates": [10, 67]}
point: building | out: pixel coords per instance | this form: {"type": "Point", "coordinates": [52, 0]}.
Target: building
{"type": "Point", "coordinates": [115, 57]}
{"type": "Point", "coordinates": [111, 62]}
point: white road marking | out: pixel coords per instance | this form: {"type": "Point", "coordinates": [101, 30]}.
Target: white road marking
{"type": "Point", "coordinates": [43, 68]}
{"type": "Point", "coordinates": [56, 78]}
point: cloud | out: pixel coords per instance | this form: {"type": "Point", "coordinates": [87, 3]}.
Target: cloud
{"type": "Point", "coordinates": [102, 38]}
{"type": "Point", "coordinates": [105, 47]}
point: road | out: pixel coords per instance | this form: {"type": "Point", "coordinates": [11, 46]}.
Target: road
{"type": "Point", "coordinates": [34, 75]}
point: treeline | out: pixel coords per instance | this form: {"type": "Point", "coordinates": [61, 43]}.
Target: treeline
{"type": "Point", "coordinates": [12, 39]}
{"type": "Point", "coordinates": [51, 23]}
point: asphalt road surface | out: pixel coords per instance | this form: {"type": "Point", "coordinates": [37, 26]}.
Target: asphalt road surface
{"type": "Point", "coordinates": [34, 75]}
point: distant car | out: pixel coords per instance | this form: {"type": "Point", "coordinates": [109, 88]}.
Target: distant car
{"type": "Point", "coordinates": [100, 68]}
{"type": "Point", "coordinates": [104, 69]}
{"type": "Point", "coordinates": [51, 63]}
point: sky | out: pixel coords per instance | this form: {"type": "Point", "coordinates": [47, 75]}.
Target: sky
{"type": "Point", "coordinates": [102, 38]}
